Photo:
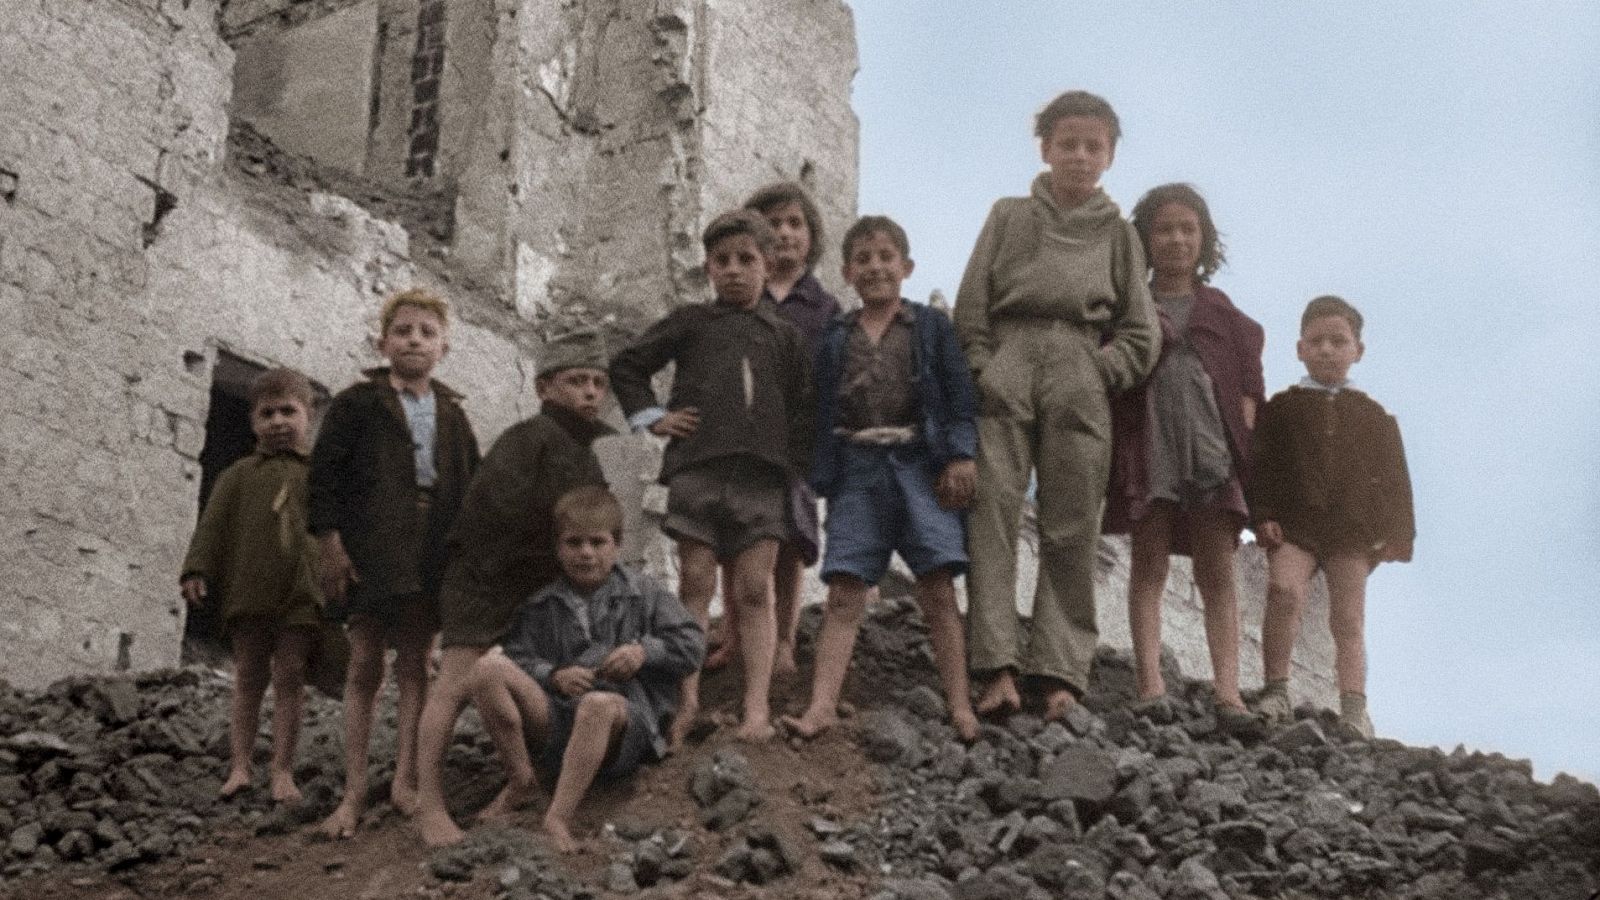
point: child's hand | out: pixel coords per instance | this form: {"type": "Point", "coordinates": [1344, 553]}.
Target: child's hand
{"type": "Point", "coordinates": [574, 681]}
{"type": "Point", "coordinates": [193, 590]}
{"type": "Point", "coordinates": [1270, 535]}
{"type": "Point", "coordinates": [679, 423]}
{"type": "Point", "coordinates": [335, 572]}
{"type": "Point", "coordinates": [957, 483]}
{"type": "Point", "coordinates": [1249, 410]}
{"type": "Point", "coordinates": [622, 663]}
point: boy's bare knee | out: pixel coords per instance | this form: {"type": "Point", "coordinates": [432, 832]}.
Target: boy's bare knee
{"type": "Point", "coordinates": [289, 672]}
{"type": "Point", "coordinates": [603, 706]}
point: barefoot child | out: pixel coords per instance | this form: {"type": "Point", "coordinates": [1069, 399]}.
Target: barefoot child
{"type": "Point", "coordinates": [1181, 443]}
{"type": "Point", "coordinates": [895, 442]}
{"type": "Point", "coordinates": [1054, 315]}
{"type": "Point", "coordinates": [251, 553]}
{"type": "Point", "coordinates": [503, 548]}
{"type": "Point", "coordinates": [739, 420]}
{"type": "Point", "coordinates": [387, 476]}
{"type": "Point", "coordinates": [590, 669]}
{"type": "Point", "coordinates": [1330, 490]}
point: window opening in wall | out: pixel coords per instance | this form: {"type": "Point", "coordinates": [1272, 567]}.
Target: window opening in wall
{"type": "Point", "coordinates": [228, 439]}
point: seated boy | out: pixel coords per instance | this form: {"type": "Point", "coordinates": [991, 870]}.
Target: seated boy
{"type": "Point", "coordinates": [740, 426]}
{"type": "Point", "coordinates": [503, 545]}
{"type": "Point", "coordinates": [895, 442]}
{"type": "Point", "coordinates": [589, 669]}
{"type": "Point", "coordinates": [1330, 490]}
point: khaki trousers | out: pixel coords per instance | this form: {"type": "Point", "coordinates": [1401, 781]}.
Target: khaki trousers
{"type": "Point", "coordinates": [1044, 408]}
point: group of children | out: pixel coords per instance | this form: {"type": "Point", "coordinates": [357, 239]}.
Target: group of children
{"type": "Point", "coordinates": [1131, 392]}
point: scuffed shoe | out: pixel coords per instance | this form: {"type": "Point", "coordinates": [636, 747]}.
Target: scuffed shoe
{"type": "Point", "coordinates": [1274, 705]}
{"type": "Point", "coordinates": [1239, 723]}
{"type": "Point", "coordinates": [1353, 718]}
{"type": "Point", "coordinates": [1158, 709]}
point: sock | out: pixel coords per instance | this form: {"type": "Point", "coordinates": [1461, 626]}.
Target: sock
{"type": "Point", "coordinates": [1352, 704]}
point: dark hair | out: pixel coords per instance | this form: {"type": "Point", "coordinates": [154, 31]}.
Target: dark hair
{"type": "Point", "coordinates": [1330, 305]}
{"type": "Point", "coordinates": [740, 221]}
{"type": "Point", "coordinates": [773, 196]}
{"type": "Point", "coordinates": [1076, 103]}
{"type": "Point", "coordinates": [281, 383]}
{"type": "Point", "coordinates": [590, 506]}
{"type": "Point", "coordinates": [1212, 252]}
{"type": "Point", "coordinates": [869, 225]}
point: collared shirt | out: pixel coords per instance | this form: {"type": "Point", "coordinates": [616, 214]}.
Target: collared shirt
{"type": "Point", "coordinates": [1315, 385]}
{"type": "Point", "coordinates": [422, 417]}
{"type": "Point", "coordinates": [808, 306]}
{"type": "Point", "coordinates": [877, 388]}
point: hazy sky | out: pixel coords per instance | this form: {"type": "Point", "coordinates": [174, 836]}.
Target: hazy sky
{"type": "Point", "coordinates": [1438, 164]}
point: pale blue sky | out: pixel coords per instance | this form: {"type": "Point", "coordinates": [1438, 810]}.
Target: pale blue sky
{"type": "Point", "coordinates": [1438, 164]}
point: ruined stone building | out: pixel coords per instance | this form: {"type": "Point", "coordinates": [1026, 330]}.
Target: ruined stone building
{"type": "Point", "coordinates": [191, 190]}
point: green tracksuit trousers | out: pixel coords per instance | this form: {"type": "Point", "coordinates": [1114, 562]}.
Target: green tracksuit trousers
{"type": "Point", "coordinates": [1044, 408]}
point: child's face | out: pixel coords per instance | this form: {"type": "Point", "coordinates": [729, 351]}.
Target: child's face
{"type": "Point", "coordinates": [578, 389]}
{"type": "Point", "coordinates": [1328, 347]}
{"type": "Point", "coordinates": [788, 220]}
{"type": "Point", "coordinates": [587, 556]}
{"type": "Point", "coordinates": [737, 269]}
{"type": "Point", "coordinates": [876, 268]}
{"type": "Point", "coordinates": [1078, 151]}
{"type": "Point", "coordinates": [1175, 241]}
{"type": "Point", "coordinates": [280, 423]}
{"type": "Point", "coordinates": [414, 342]}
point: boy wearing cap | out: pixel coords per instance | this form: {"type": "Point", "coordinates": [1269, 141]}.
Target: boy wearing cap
{"type": "Point", "coordinates": [503, 546]}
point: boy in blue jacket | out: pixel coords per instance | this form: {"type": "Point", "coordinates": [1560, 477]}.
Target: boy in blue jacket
{"type": "Point", "coordinates": [896, 439]}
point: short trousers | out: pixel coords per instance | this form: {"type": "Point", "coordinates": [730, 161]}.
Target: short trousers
{"type": "Point", "coordinates": [410, 611]}
{"type": "Point", "coordinates": [635, 748]}
{"type": "Point", "coordinates": [1326, 539]}
{"type": "Point", "coordinates": [475, 609]}
{"type": "Point", "coordinates": [728, 504]}
{"type": "Point", "coordinates": [885, 503]}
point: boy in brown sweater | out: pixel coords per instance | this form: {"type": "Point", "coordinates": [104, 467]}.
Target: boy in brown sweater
{"type": "Point", "coordinates": [1330, 491]}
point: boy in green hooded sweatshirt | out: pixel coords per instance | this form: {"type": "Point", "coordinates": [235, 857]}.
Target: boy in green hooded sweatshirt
{"type": "Point", "coordinates": [1054, 316]}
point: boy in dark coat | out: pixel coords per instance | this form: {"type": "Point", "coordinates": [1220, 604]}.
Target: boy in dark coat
{"type": "Point", "coordinates": [503, 548]}
{"type": "Point", "coordinates": [387, 477]}
{"type": "Point", "coordinates": [1330, 490]}
{"type": "Point", "coordinates": [590, 669]}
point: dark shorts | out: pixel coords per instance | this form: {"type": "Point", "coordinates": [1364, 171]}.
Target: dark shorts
{"type": "Point", "coordinates": [1325, 539]}
{"type": "Point", "coordinates": [729, 505]}
{"type": "Point", "coordinates": [885, 504]}
{"type": "Point", "coordinates": [475, 609]}
{"type": "Point", "coordinates": [635, 748]}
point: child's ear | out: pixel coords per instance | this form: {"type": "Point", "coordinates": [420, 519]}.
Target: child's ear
{"type": "Point", "coordinates": [911, 265]}
{"type": "Point", "coordinates": [444, 348]}
{"type": "Point", "coordinates": [1361, 350]}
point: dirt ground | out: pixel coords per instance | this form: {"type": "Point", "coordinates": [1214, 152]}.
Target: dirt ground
{"type": "Point", "coordinates": [827, 778]}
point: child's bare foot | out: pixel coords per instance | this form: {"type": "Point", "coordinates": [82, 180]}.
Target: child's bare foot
{"type": "Point", "coordinates": [965, 722]}
{"type": "Point", "coordinates": [284, 790]}
{"type": "Point", "coordinates": [756, 732]}
{"type": "Point", "coordinates": [682, 724]}
{"type": "Point", "coordinates": [783, 664]}
{"type": "Point", "coordinates": [238, 780]}
{"type": "Point", "coordinates": [437, 829]}
{"type": "Point", "coordinates": [1000, 698]}
{"type": "Point", "coordinates": [560, 835]}
{"type": "Point", "coordinates": [403, 797]}
{"type": "Point", "coordinates": [344, 820]}
{"type": "Point", "coordinates": [812, 723]}
{"type": "Point", "coordinates": [1057, 702]}
{"type": "Point", "coordinates": [511, 798]}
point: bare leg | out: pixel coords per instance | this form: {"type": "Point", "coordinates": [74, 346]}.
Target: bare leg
{"type": "Point", "coordinates": [787, 575]}
{"type": "Point", "coordinates": [412, 645]}
{"type": "Point", "coordinates": [1213, 574]}
{"type": "Point", "coordinates": [598, 724]}
{"type": "Point", "coordinates": [1000, 697]}
{"type": "Point", "coordinates": [936, 593]}
{"type": "Point", "coordinates": [514, 710]}
{"type": "Point", "coordinates": [841, 621]}
{"type": "Point", "coordinates": [1289, 570]}
{"type": "Point", "coordinates": [361, 684]}
{"type": "Point", "coordinates": [724, 638]}
{"type": "Point", "coordinates": [252, 650]}
{"type": "Point", "coordinates": [446, 698]}
{"type": "Point", "coordinates": [1147, 582]}
{"type": "Point", "coordinates": [1057, 702]}
{"type": "Point", "coordinates": [289, 660]}
{"type": "Point", "coordinates": [1347, 616]}
{"type": "Point", "coordinates": [758, 635]}
{"type": "Point", "coordinates": [697, 582]}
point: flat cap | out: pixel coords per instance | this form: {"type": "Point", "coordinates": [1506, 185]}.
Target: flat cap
{"type": "Point", "coordinates": [574, 350]}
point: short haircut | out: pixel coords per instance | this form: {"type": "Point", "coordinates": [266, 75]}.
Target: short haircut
{"type": "Point", "coordinates": [274, 384]}
{"type": "Point", "coordinates": [1212, 252]}
{"type": "Point", "coordinates": [736, 222]}
{"type": "Point", "coordinates": [773, 196]}
{"type": "Point", "coordinates": [1330, 305]}
{"type": "Point", "coordinates": [421, 298]}
{"type": "Point", "coordinates": [1076, 103]}
{"type": "Point", "coordinates": [867, 226]}
{"type": "Point", "coordinates": [588, 507]}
